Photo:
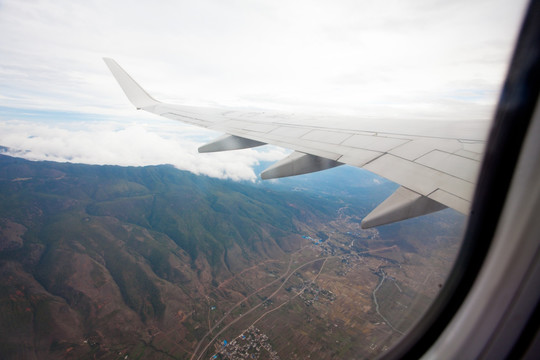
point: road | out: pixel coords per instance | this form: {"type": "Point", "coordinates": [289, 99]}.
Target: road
{"type": "Point", "coordinates": [286, 277]}
{"type": "Point", "coordinates": [242, 301]}
{"type": "Point", "coordinates": [377, 304]}
{"type": "Point", "coordinates": [255, 307]}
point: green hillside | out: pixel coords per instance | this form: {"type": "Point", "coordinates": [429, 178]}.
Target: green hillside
{"type": "Point", "coordinates": [94, 259]}
{"type": "Point", "coordinates": [104, 262]}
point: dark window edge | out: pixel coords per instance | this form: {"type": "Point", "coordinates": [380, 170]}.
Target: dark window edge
{"type": "Point", "coordinates": [514, 112]}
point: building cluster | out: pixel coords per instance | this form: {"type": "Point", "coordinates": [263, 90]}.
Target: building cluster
{"type": "Point", "coordinates": [327, 248]}
{"type": "Point", "coordinates": [249, 345]}
{"type": "Point", "coordinates": [311, 292]}
{"type": "Point", "coordinates": [348, 262]}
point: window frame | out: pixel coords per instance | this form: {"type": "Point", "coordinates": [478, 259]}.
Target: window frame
{"type": "Point", "coordinates": [512, 119]}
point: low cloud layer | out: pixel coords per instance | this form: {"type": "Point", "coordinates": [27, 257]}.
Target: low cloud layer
{"type": "Point", "coordinates": [133, 144]}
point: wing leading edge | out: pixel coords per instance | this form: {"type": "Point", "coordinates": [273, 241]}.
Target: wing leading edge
{"type": "Point", "coordinates": [434, 172]}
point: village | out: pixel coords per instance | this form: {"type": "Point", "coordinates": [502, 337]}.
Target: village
{"type": "Point", "coordinates": [310, 292]}
{"type": "Point", "coordinates": [249, 345]}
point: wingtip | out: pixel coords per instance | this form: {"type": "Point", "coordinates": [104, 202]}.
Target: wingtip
{"type": "Point", "coordinates": [135, 93]}
{"type": "Point", "coordinates": [108, 60]}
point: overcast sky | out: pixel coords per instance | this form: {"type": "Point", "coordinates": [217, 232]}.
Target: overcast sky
{"type": "Point", "coordinates": [370, 59]}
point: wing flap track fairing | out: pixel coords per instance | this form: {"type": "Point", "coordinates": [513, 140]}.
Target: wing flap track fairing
{"type": "Point", "coordinates": [229, 142]}
{"type": "Point", "coordinates": [298, 163]}
{"type": "Point", "coordinates": [401, 205]}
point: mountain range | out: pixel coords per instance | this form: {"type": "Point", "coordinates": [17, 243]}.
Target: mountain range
{"type": "Point", "coordinates": [94, 259]}
{"type": "Point", "coordinates": [107, 262]}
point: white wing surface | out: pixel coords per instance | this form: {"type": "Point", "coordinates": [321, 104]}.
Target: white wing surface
{"type": "Point", "coordinates": [435, 170]}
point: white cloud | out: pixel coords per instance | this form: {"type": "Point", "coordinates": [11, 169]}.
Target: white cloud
{"type": "Point", "coordinates": [354, 57]}
{"type": "Point", "coordinates": [132, 144]}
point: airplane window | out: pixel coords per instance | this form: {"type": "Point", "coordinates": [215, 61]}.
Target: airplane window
{"type": "Point", "coordinates": [339, 253]}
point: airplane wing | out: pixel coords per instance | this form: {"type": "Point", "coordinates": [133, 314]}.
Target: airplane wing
{"type": "Point", "coordinates": [434, 172]}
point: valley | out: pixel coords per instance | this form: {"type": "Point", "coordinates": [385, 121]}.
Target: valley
{"type": "Point", "coordinates": [146, 263]}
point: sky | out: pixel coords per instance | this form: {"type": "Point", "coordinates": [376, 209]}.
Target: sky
{"type": "Point", "coordinates": [364, 59]}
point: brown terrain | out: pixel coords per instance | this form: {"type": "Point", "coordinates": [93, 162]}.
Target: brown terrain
{"type": "Point", "coordinates": [149, 263]}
